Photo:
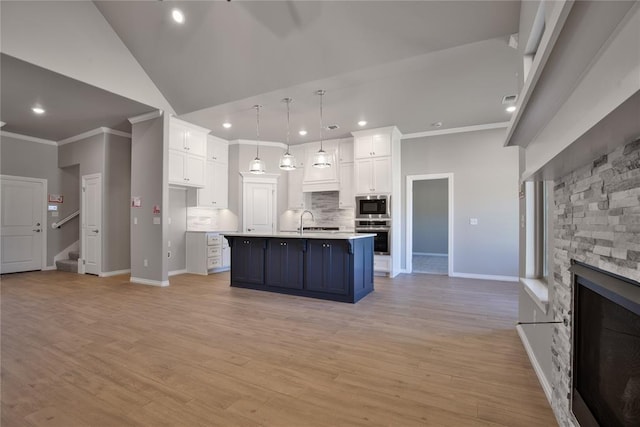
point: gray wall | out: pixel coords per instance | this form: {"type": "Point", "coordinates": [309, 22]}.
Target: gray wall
{"type": "Point", "coordinates": [117, 185]}
{"type": "Point", "coordinates": [148, 181]}
{"type": "Point", "coordinates": [178, 228]}
{"type": "Point", "coordinates": [430, 216]}
{"type": "Point", "coordinates": [34, 160]}
{"type": "Point", "coordinates": [88, 153]}
{"type": "Point", "coordinates": [485, 187]}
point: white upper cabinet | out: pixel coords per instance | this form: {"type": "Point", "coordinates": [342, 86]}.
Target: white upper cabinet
{"type": "Point", "coordinates": [187, 153]}
{"type": "Point", "coordinates": [346, 198]}
{"type": "Point", "coordinates": [217, 149]}
{"type": "Point", "coordinates": [373, 176]}
{"type": "Point", "coordinates": [376, 145]}
{"type": "Point", "coordinates": [346, 150]}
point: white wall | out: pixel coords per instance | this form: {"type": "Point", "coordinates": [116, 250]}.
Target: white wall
{"type": "Point", "coordinates": [485, 187]}
{"type": "Point", "coordinates": [74, 39]}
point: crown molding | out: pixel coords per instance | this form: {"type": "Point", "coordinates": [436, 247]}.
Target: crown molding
{"type": "Point", "coordinates": [190, 125]}
{"type": "Point", "coordinates": [375, 131]}
{"type": "Point", "coordinates": [27, 138]}
{"type": "Point", "coordinates": [93, 132]}
{"type": "Point", "coordinates": [463, 129]}
{"type": "Point", "coordinates": [261, 143]}
{"type": "Point", "coordinates": [144, 117]}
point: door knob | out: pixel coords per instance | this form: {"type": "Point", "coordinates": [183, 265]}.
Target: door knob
{"type": "Point", "coordinates": [95, 231]}
{"type": "Point", "coordinates": [250, 229]}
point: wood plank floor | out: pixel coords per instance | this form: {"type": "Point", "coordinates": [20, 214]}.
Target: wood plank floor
{"type": "Point", "coordinates": [421, 350]}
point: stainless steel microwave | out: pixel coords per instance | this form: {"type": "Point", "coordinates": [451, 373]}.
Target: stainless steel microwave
{"type": "Point", "coordinates": [374, 206]}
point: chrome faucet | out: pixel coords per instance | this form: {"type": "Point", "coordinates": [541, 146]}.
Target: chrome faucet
{"type": "Point", "coordinates": [301, 215]}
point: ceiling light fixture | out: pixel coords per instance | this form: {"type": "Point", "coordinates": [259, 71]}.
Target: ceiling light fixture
{"type": "Point", "coordinates": [321, 159]}
{"type": "Point", "coordinates": [287, 161]}
{"type": "Point", "coordinates": [38, 110]}
{"type": "Point", "coordinates": [256, 165]}
{"type": "Point", "coordinates": [177, 16]}
{"type": "Point", "coordinates": [436, 124]}
{"type": "Point", "coordinates": [302, 132]}
{"type": "Point", "coordinates": [362, 123]}
{"type": "Point", "coordinates": [226, 125]}
{"type": "Point", "coordinates": [511, 108]}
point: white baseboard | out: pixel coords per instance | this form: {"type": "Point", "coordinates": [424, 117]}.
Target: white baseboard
{"type": "Point", "coordinates": [485, 277]}
{"type": "Point", "coordinates": [142, 281]}
{"type": "Point", "coordinates": [430, 254]}
{"type": "Point", "coordinates": [176, 272]}
{"type": "Point", "coordinates": [114, 273]}
{"type": "Point", "coordinates": [546, 387]}
{"type": "Point", "coordinates": [64, 254]}
{"type": "Point", "coordinates": [49, 268]}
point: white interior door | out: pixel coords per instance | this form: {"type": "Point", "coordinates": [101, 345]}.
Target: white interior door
{"type": "Point", "coordinates": [23, 226]}
{"type": "Point", "coordinates": [258, 206]}
{"type": "Point", "coordinates": [91, 215]}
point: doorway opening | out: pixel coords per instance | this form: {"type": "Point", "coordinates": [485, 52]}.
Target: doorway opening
{"type": "Point", "coordinates": [429, 238]}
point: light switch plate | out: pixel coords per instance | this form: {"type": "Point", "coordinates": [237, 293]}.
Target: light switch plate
{"type": "Point", "coordinates": [156, 220]}
{"type": "Point", "coordinates": [473, 221]}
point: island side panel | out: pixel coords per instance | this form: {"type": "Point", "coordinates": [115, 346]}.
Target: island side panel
{"type": "Point", "coordinates": [362, 268]}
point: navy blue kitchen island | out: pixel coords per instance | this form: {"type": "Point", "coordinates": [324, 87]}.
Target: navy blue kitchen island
{"type": "Point", "coordinates": [337, 266]}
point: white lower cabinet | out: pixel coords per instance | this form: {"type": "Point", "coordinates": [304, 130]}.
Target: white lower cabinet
{"type": "Point", "coordinates": [382, 263]}
{"type": "Point", "coordinates": [207, 253]}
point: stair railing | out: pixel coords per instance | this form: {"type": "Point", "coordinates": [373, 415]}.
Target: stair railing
{"type": "Point", "coordinates": [65, 220]}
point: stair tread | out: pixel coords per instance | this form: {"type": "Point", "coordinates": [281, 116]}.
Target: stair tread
{"type": "Point", "coordinates": [70, 265]}
{"type": "Point", "coordinates": [74, 255]}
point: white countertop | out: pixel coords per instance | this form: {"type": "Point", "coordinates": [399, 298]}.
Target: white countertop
{"type": "Point", "coordinates": [295, 235]}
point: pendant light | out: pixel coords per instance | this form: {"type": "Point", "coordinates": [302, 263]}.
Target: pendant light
{"type": "Point", "coordinates": [288, 161]}
{"type": "Point", "coordinates": [321, 159]}
{"type": "Point", "coordinates": [256, 165]}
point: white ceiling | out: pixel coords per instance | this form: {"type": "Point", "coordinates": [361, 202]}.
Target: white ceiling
{"type": "Point", "coordinates": [389, 62]}
{"type": "Point", "coordinates": [400, 63]}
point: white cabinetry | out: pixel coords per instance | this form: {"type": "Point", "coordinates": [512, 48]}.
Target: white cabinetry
{"type": "Point", "coordinates": [376, 145]}
{"type": "Point", "coordinates": [346, 150]}
{"type": "Point", "coordinates": [373, 176]}
{"type": "Point", "coordinates": [215, 193]}
{"type": "Point", "coordinates": [382, 263]}
{"type": "Point", "coordinates": [207, 253]}
{"type": "Point", "coordinates": [321, 179]}
{"type": "Point", "coordinates": [346, 198]}
{"type": "Point", "coordinates": [296, 198]}
{"type": "Point", "coordinates": [187, 149]}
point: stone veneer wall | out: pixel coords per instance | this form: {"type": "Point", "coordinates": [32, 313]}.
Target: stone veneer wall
{"type": "Point", "coordinates": [596, 221]}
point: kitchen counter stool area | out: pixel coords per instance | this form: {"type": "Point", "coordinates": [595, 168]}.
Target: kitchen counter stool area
{"type": "Point", "coordinates": [325, 268]}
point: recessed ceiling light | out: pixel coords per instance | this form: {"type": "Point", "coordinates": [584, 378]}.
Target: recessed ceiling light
{"type": "Point", "coordinates": [362, 123]}
{"type": "Point", "coordinates": [436, 124]}
{"type": "Point", "coordinates": [302, 132]}
{"type": "Point", "coordinates": [226, 125]}
{"type": "Point", "coordinates": [177, 16]}
{"type": "Point", "coordinates": [38, 110]}
{"type": "Point", "coordinates": [511, 108]}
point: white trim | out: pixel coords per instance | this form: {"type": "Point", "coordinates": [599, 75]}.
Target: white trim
{"type": "Point", "coordinates": [261, 143]}
{"type": "Point", "coordinates": [45, 197]}
{"type": "Point", "coordinates": [538, 291]}
{"type": "Point", "coordinates": [27, 138]}
{"type": "Point", "coordinates": [176, 272]}
{"type": "Point", "coordinates": [114, 273]}
{"type": "Point", "coordinates": [93, 132]}
{"type": "Point", "coordinates": [474, 128]}
{"type": "Point", "coordinates": [50, 268]}
{"type": "Point", "coordinates": [546, 386]}
{"type": "Point", "coordinates": [485, 277]}
{"type": "Point", "coordinates": [144, 117]}
{"type": "Point", "coordinates": [149, 282]}
{"type": "Point", "coordinates": [2, 124]}
{"type": "Point", "coordinates": [269, 178]}
{"type": "Point", "coordinates": [385, 130]}
{"type": "Point", "coordinates": [409, 217]}
{"type": "Point", "coordinates": [429, 254]}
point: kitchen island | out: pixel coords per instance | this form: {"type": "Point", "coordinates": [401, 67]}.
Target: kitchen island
{"type": "Point", "coordinates": [333, 266]}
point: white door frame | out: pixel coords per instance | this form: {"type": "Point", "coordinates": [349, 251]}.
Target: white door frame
{"type": "Point", "coordinates": [45, 194]}
{"type": "Point", "coordinates": [81, 265]}
{"type": "Point", "coordinates": [409, 217]}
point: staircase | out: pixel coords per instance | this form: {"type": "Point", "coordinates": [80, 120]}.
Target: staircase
{"type": "Point", "coordinates": [71, 264]}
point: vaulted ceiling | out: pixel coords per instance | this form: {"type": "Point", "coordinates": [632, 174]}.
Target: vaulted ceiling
{"type": "Point", "coordinates": [409, 64]}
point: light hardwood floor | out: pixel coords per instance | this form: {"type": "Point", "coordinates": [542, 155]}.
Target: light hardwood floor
{"type": "Point", "coordinates": [421, 350]}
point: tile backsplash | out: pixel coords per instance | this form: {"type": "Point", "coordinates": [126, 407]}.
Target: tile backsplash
{"type": "Point", "coordinates": [208, 219]}
{"type": "Point", "coordinates": [326, 213]}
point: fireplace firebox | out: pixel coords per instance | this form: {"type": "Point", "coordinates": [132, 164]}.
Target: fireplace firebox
{"type": "Point", "coordinates": [606, 348]}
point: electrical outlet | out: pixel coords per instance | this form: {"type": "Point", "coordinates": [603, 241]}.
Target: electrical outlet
{"type": "Point", "coordinates": [145, 263]}
{"type": "Point", "coordinates": [169, 244]}
{"type": "Point", "coordinates": [135, 220]}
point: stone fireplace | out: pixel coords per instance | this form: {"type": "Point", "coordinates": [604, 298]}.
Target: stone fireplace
{"type": "Point", "coordinates": [596, 222]}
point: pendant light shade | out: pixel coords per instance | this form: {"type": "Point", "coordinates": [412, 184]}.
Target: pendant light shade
{"type": "Point", "coordinates": [321, 159]}
{"type": "Point", "coordinates": [288, 161]}
{"type": "Point", "coordinates": [256, 165]}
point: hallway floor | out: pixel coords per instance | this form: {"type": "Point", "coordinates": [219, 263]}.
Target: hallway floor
{"type": "Point", "coordinates": [430, 264]}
